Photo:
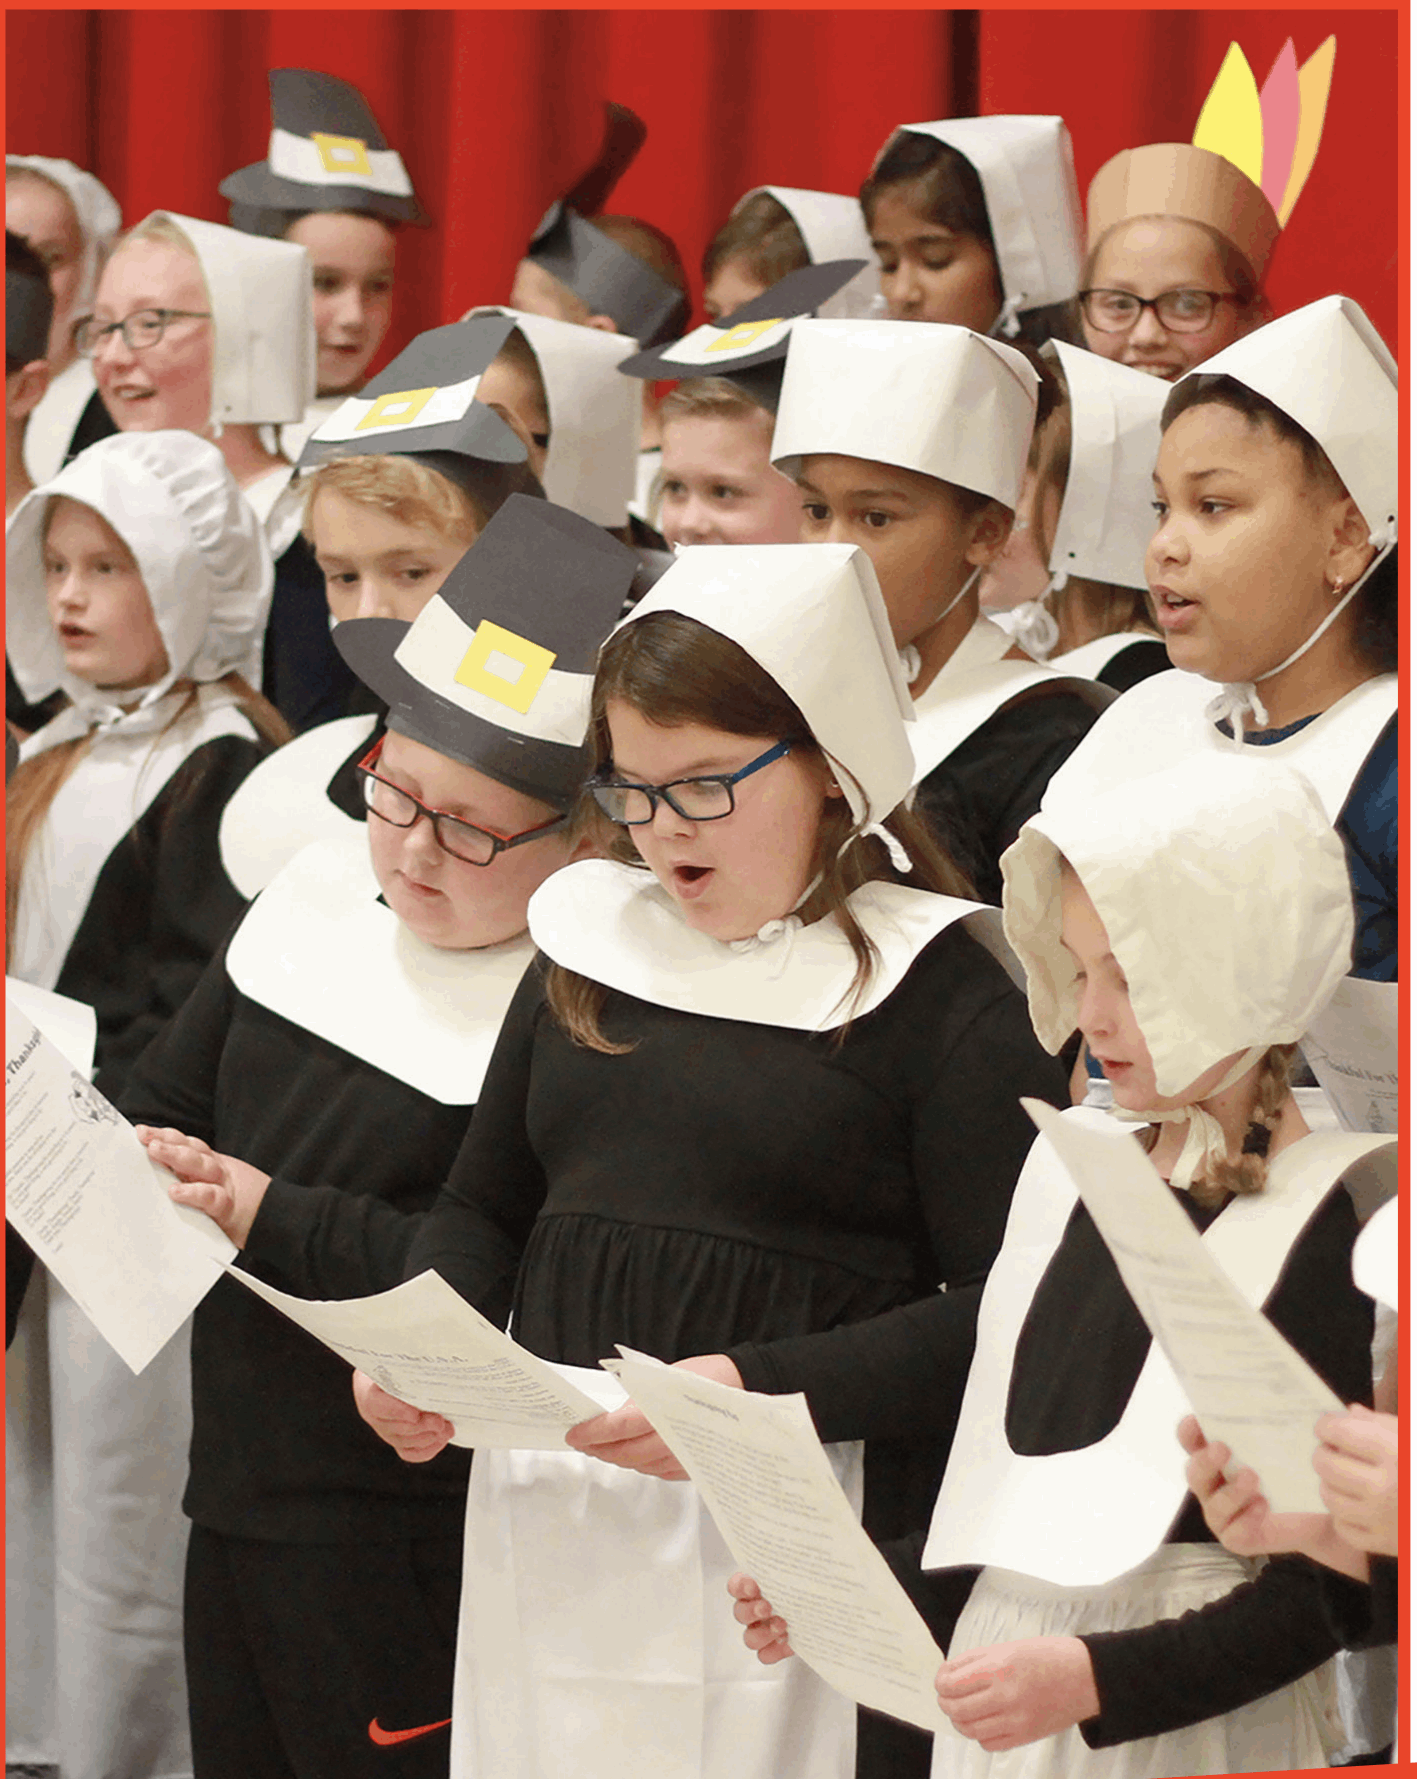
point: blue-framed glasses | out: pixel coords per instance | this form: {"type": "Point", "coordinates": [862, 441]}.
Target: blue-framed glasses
{"type": "Point", "coordinates": [695, 799]}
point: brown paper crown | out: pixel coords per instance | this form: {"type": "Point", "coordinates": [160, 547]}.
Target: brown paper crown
{"type": "Point", "coordinates": [1175, 179]}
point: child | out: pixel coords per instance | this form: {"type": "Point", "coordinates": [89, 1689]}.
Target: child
{"type": "Point", "coordinates": [1087, 522]}
{"type": "Point", "coordinates": [390, 508]}
{"type": "Point", "coordinates": [757, 1089]}
{"type": "Point", "coordinates": [615, 273]}
{"type": "Point", "coordinates": [1176, 1658]}
{"type": "Point", "coordinates": [343, 202]}
{"type": "Point", "coordinates": [976, 221]}
{"type": "Point", "coordinates": [29, 307]}
{"type": "Point", "coordinates": [338, 1043]}
{"type": "Point", "coordinates": [71, 221]}
{"type": "Point", "coordinates": [1275, 585]}
{"type": "Point", "coordinates": [717, 482]}
{"type": "Point", "coordinates": [926, 484]}
{"type": "Point", "coordinates": [139, 580]}
{"type": "Point", "coordinates": [777, 229]}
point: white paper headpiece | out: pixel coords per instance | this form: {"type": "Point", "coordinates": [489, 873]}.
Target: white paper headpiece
{"type": "Point", "coordinates": [922, 395]}
{"type": "Point", "coordinates": [812, 616]}
{"type": "Point", "coordinates": [1225, 896]}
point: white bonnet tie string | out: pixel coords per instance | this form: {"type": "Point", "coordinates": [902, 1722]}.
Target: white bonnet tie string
{"type": "Point", "coordinates": [1006, 322]}
{"type": "Point", "coordinates": [1235, 698]}
{"type": "Point", "coordinates": [899, 857]}
{"type": "Point", "coordinates": [1034, 627]}
{"type": "Point", "coordinates": [1205, 1140]}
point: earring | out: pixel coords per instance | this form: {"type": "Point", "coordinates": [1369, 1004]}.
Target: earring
{"type": "Point", "coordinates": [1337, 588]}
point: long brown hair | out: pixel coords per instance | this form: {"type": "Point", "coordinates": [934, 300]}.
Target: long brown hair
{"type": "Point", "coordinates": [36, 782]}
{"type": "Point", "coordinates": [673, 671]}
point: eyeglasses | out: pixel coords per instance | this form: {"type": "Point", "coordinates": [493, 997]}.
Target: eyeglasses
{"type": "Point", "coordinates": [1178, 311]}
{"type": "Point", "coordinates": [468, 844]}
{"type": "Point", "coordinates": [141, 329]}
{"type": "Point", "coordinates": [695, 799]}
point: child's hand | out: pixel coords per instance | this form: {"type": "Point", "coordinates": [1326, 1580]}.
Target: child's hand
{"type": "Point", "coordinates": [416, 1434]}
{"type": "Point", "coordinates": [1240, 1517]}
{"type": "Point", "coordinates": [762, 1632]}
{"type": "Point", "coordinates": [227, 1190]}
{"type": "Point", "coordinates": [1357, 1469]}
{"type": "Point", "coordinates": [625, 1436]}
{"type": "Point", "coordinates": [1013, 1693]}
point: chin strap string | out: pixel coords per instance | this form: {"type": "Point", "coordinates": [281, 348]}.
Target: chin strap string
{"type": "Point", "coordinates": [1205, 1140]}
{"type": "Point", "coordinates": [899, 857]}
{"type": "Point", "coordinates": [1236, 699]}
{"type": "Point", "coordinates": [1033, 627]}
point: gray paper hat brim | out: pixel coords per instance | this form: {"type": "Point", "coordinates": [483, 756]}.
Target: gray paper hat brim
{"type": "Point", "coordinates": [542, 770]}
{"type": "Point", "coordinates": [793, 298]}
{"type": "Point", "coordinates": [29, 309]}
{"type": "Point", "coordinates": [607, 278]}
{"type": "Point", "coordinates": [257, 188]}
{"type": "Point", "coordinates": [437, 359]}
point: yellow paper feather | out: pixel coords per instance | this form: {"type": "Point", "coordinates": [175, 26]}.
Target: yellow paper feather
{"type": "Point", "coordinates": [1230, 121]}
{"type": "Point", "coordinates": [1315, 79]}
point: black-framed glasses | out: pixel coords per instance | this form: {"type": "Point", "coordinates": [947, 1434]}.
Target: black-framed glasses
{"type": "Point", "coordinates": [469, 844]}
{"type": "Point", "coordinates": [141, 329]}
{"type": "Point", "coordinates": [695, 799]}
{"type": "Point", "coordinates": [1178, 311]}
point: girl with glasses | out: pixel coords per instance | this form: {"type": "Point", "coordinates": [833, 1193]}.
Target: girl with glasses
{"type": "Point", "coordinates": [1178, 240]}
{"type": "Point", "coordinates": [761, 1085]}
{"type": "Point", "coordinates": [312, 1096]}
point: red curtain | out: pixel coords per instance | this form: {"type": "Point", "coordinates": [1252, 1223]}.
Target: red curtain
{"type": "Point", "coordinates": [496, 111]}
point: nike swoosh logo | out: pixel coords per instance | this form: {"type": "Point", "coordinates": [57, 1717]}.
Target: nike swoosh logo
{"type": "Point", "coordinates": [387, 1738]}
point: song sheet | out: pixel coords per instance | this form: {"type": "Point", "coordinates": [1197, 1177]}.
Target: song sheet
{"type": "Point", "coordinates": [426, 1345]}
{"type": "Point", "coordinates": [1246, 1385]}
{"type": "Point", "coordinates": [81, 1190]}
{"type": "Point", "coordinates": [770, 1486]}
{"type": "Point", "coordinates": [1352, 1049]}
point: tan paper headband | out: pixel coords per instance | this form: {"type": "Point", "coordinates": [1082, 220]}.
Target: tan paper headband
{"type": "Point", "coordinates": [1175, 179]}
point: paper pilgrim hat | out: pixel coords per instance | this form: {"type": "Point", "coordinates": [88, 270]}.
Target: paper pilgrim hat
{"type": "Point", "coordinates": [1106, 519]}
{"type": "Point", "coordinates": [811, 616]}
{"type": "Point", "coordinates": [424, 404]}
{"type": "Point", "coordinates": [1025, 167]}
{"type": "Point", "coordinates": [832, 228]}
{"type": "Point", "coordinates": [326, 153]}
{"type": "Point", "coordinates": [1176, 179]}
{"type": "Point", "coordinates": [263, 362]}
{"type": "Point", "coordinates": [749, 346]}
{"type": "Point", "coordinates": [1326, 367]}
{"type": "Point", "coordinates": [922, 395]}
{"type": "Point", "coordinates": [496, 670]}
{"type": "Point", "coordinates": [29, 309]}
{"type": "Point", "coordinates": [1234, 853]}
{"type": "Point", "coordinates": [593, 454]}
{"type": "Point", "coordinates": [607, 278]}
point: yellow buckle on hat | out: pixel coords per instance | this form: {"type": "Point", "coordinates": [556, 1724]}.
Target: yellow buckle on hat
{"type": "Point", "coordinates": [401, 407]}
{"type": "Point", "coordinates": [493, 650]}
{"type": "Point", "coordinates": [343, 154]}
{"type": "Point", "coordinates": [736, 338]}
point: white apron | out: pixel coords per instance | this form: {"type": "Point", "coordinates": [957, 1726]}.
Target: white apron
{"type": "Point", "coordinates": [282, 806]}
{"type": "Point", "coordinates": [972, 685]}
{"type": "Point", "coordinates": [1072, 1542]}
{"type": "Point", "coordinates": [597, 1639]}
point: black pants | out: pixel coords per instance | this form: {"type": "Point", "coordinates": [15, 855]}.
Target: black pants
{"type": "Point", "coordinates": [293, 1650]}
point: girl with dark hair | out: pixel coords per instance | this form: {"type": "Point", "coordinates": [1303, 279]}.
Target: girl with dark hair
{"type": "Point", "coordinates": [762, 1084]}
{"type": "Point", "coordinates": [1273, 575]}
{"type": "Point", "coordinates": [977, 221]}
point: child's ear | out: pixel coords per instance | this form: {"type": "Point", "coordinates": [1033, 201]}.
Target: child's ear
{"type": "Point", "coordinates": [989, 532]}
{"type": "Point", "coordinates": [606, 324]}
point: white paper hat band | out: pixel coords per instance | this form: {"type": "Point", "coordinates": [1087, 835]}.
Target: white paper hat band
{"type": "Point", "coordinates": [364, 418]}
{"type": "Point", "coordinates": [435, 650]}
{"type": "Point", "coordinates": [371, 169]}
